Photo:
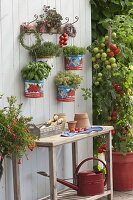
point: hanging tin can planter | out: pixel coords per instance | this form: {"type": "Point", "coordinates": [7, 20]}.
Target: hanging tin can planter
{"type": "Point", "coordinates": [65, 93]}
{"type": "Point", "coordinates": [33, 89]}
{"type": "Point", "coordinates": [74, 62]}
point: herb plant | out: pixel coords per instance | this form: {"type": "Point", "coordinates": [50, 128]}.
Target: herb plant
{"type": "Point", "coordinates": [46, 49]}
{"type": "Point", "coordinates": [68, 78]}
{"type": "Point", "coordinates": [74, 50]}
{"type": "Point", "coordinates": [36, 71]}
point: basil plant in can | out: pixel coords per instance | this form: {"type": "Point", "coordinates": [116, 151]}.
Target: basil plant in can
{"type": "Point", "coordinates": [67, 82]}
{"type": "Point", "coordinates": [34, 74]}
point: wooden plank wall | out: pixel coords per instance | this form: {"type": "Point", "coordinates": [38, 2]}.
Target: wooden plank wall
{"type": "Point", "coordinates": [12, 59]}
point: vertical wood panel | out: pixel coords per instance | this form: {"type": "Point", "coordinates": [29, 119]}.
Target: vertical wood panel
{"type": "Point", "coordinates": [13, 57]}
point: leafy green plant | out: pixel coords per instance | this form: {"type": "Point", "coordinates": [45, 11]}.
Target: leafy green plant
{"type": "Point", "coordinates": [86, 93]}
{"type": "Point", "coordinates": [113, 91]}
{"type": "Point", "coordinates": [46, 49]}
{"type": "Point", "coordinates": [74, 50]}
{"type": "Point", "coordinates": [15, 138]}
{"type": "Point", "coordinates": [104, 9]}
{"type": "Point", "coordinates": [36, 71]}
{"type": "Point", "coordinates": [68, 78]}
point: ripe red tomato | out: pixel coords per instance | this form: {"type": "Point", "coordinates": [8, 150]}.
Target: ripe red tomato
{"type": "Point", "coordinates": [79, 129]}
{"type": "Point", "coordinates": [113, 132]}
{"type": "Point", "coordinates": [117, 51]}
{"type": "Point", "coordinates": [113, 47]}
{"type": "Point", "coordinates": [100, 150]}
{"type": "Point", "coordinates": [72, 130]}
{"type": "Point", "coordinates": [111, 54]}
{"type": "Point", "coordinates": [85, 129]}
{"type": "Point", "coordinates": [64, 34]}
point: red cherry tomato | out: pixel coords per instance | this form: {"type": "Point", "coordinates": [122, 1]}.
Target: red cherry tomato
{"type": "Point", "coordinates": [65, 38]}
{"type": "Point", "coordinates": [64, 43]}
{"type": "Point", "coordinates": [64, 34]}
{"type": "Point", "coordinates": [72, 130]}
{"type": "Point", "coordinates": [100, 150]}
{"type": "Point", "coordinates": [79, 129]}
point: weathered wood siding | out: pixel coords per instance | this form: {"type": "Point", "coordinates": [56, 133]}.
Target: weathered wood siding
{"type": "Point", "coordinates": [12, 59]}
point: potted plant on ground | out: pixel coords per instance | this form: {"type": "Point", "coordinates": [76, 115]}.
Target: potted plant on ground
{"type": "Point", "coordinates": [74, 57]}
{"type": "Point", "coordinates": [46, 51]}
{"type": "Point", "coordinates": [67, 82]}
{"type": "Point", "coordinates": [34, 74]}
{"type": "Point", "coordinates": [15, 138]}
{"type": "Point", "coordinates": [112, 101]}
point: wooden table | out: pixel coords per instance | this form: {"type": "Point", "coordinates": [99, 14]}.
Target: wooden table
{"type": "Point", "coordinates": [53, 141]}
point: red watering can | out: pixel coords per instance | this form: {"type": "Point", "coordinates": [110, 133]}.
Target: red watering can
{"type": "Point", "coordinates": [89, 183]}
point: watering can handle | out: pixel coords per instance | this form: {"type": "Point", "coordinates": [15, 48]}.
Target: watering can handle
{"type": "Point", "coordinates": [92, 158]}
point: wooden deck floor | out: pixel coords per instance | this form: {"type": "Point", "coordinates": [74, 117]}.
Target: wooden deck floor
{"type": "Point", "coordinates": [121, 196]}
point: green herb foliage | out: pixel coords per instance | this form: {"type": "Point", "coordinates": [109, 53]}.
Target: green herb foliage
{"type": "Point", "coordinates": [46, 49]}
{"type": "Point", "coordinates": [74, 50]}
{"type": "Point", "coordinates": [68, 78]}
{"type": "Point", "coordinates": [36, 71]}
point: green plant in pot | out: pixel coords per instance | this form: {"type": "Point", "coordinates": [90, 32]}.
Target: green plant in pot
{"type": "Point", "coordinates": [15, 138]}
{"type": "Point", "coordinates": [67, 82]}
{"type": "Point", "coordinates": [34, 74]}
{"type": "Point", "coordinates": [113, 103]}
{"type": "Point", "coordinates": [74, 57]}
{"type": "Point", "coordinates": [46, 50]}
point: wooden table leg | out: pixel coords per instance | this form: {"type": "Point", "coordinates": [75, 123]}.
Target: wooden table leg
{"type": "Point", "coordinates": [109, 164]}
{"type": "Point", "coordinates": [16, 179]}
{"type": "Point", "coordinates": [74, 159]}
{"type": "Point", "coordinates": [52, 173]}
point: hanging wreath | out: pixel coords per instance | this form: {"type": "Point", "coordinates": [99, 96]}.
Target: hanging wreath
{"type": "Point", "coordinates": [36, 35]}
{"type": "Point", "coordinates": [70, 30]}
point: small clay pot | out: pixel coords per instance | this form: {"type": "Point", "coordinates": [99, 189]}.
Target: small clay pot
{"type": "Point", "coordinates": [72, 124]}
{"type": "Point", "coordinates": [82, 120]}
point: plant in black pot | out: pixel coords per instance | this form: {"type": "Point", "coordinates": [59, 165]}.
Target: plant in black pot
{"type": "Point", "coordinates": [74, 57]}
{"type": "Point", "coordinates": [67, 82]}
{"type": "Point", "coordinates": [34, 74]}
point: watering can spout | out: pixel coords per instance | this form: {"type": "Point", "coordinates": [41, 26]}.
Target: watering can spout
{"type": "Point", "coordinates": [68, 184]}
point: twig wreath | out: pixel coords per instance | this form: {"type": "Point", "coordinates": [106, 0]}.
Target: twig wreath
{"type": "Point", "coordinates": [22, 35]}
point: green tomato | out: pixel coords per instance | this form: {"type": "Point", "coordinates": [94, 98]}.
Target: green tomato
{"type": "Point", "coordinates": [104, 55]}
{"type": "Point", "coordinates": [99, 79]}
{"type": "Point", "coordinates": [98, 55]}
{"type": "Point", "coordinates": [100, 74]}
{"type": "Point", "coordinates": [108, 67]}
{"type": "Point", "coordinates": [93, 59]}
{"type": "Point", "coordinates": [101, 50]}
{"type": "Point", "coordinates": [107, 62]}
{"type": "Point", "coordinates": [94, 78]}
{"type": "Point", "coordinates": [96, 66]}
{"type": "Point", "coordinates": [114, 35]}
{"type": "Point", "coordinates": [96, 83]}
{"type": "Point", "coordinates": [102, 45]}
{"type": "Point", "coordinates": [108, 50]}
{"type": "Point", "coordinates": [106, 37]}
{"type": "Point", "coordinates": [103, 59]}
{"type": "Point", "coordinates": [96, 50]}
{"type": "Point", "coordinates": [114, 65]}
{"type": "Point", "coordinates": [112, 60]}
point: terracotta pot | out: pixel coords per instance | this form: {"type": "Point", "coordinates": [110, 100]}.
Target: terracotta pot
{"type": "Point", "coordinates": [82, 120]}
{"type": "Point", "coordinates": [122, 171]}
{"type": "Point", "coordinates": [72, 124]}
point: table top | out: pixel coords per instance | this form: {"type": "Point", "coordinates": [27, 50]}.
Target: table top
{"type": "Point", "coordinates": [57, 140]}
